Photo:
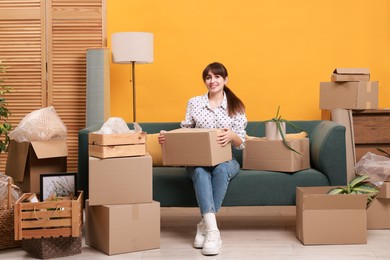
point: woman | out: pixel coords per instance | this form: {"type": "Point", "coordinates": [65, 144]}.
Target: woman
{"type": "Point", "coordinates": [218, 108]}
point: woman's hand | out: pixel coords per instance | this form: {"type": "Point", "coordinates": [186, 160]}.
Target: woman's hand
{"type": "Point", "coordinates": [161, 137]}
{"type": "Point", "coordinates": [225, 136]}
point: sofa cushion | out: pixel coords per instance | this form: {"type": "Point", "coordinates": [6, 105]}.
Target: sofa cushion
{"type": "Point", "coordinates": [171, 187]}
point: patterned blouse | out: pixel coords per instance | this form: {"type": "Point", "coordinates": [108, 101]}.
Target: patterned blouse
{"type": "Point", "coordinates": [199, 114]}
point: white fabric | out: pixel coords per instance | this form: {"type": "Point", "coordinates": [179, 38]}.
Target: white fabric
{"type": "Point", "coordinates": [210, 221]}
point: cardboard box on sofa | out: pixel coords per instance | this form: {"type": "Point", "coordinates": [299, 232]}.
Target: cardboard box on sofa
{"type": "Point", "coordinates": [28, 160]}
{"type": "Point", "coordinates": [349, 95]}
{"type": "Point", "coordinates": [194, 147]}
{"type": "Point", "coordinates": [116, 145]}
{"type": "Point", "coordinates": [350, 74]}
{"type": "Point", "coordinates": [123, 228]}
{"type": "Point", "coordinates": [330, 219]}
{"type": "Point", "coordinates": [273, 155]}
{"type": "Point", "coordinates": [120, 180]}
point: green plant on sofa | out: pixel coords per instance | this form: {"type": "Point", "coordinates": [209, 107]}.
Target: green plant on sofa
{"type": "Point", "coordinates": [278, 120]}
{"type": "Point", "coordinates": [358, 185]}
{"type": "Point", "coordinates": [5, 127]}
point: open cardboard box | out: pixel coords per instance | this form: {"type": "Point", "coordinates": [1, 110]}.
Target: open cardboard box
{"type": "Point", "coordinates": [28, 160]}
{"type": "Point", "coordinates": [273, 155]}
{"type": "Point", "coordinates": [350, 74]}
{"type": "Point", "coordinates": [194, 147]}
{"type": "Point", "coordinates": [322, 218]}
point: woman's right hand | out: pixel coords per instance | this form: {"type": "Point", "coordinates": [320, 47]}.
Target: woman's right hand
{"type": "Point", "coordinates": [161, 137]}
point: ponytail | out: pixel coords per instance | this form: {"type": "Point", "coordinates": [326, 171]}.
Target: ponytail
{"type": "Point", "coordinates": [235, 105]}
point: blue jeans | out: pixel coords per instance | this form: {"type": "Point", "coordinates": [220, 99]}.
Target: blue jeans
{"type": "Point", "coordinates": [211, 183]}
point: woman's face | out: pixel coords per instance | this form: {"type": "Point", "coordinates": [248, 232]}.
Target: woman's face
{"type": "Point", "coordinates": [215, 83]}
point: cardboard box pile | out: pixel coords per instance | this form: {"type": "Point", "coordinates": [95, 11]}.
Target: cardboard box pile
{"type": "Point", "coordinates": [350, 88]}
{"type": "Point", "coordinates": [273, 155]}
{"type": "Point", "coordinates": [330, 219]}
{"type": "Point", "coordinates": [194, 147]}
{"type": "Point", "coordinates": [28, 160]}
{"type": "Point", "coordinates": [121, 216]}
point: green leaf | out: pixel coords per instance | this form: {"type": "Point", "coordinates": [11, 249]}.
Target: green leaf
{"type": "Point", "coordinates": [366, 188]}
{"type": "Point", "coordinates": [337, 191]}
{"type": "Point", "coordinates": [358, 179]}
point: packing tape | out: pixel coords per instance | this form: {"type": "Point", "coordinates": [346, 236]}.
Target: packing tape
{"type": "Point", "coordinates": [368, 88]}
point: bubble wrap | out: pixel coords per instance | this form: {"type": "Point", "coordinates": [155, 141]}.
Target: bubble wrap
{"type": "Point", "coordinates": [39, 125]}
{"type": "Point", "coordinates": [116, 125]}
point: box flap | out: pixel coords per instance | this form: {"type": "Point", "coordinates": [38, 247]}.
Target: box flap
{"type": "Point", "coordinates": [191, 130]}
{"type": "Point", "coordinates": [50, 149]}
{"type": "Point", "coordinates": [352, 71]}
{"type": "Point", "coordinates": [17, 158]}
{"type": "Point", "coordinates": [316, 198]}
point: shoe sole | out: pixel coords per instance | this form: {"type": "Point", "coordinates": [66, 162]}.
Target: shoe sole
{"type": "Point", "coordinates": [212, 252]}
{"type": "Point", "coordinates": [198, 246]}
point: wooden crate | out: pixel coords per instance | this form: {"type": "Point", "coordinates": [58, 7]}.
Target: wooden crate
{"type": "Point", "coordinates": [62, 218]}
{"type": "Point", "coordinates": [116, 145]}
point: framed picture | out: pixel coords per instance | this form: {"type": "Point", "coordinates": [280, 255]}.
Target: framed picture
{"type": "Point", "coordinates": [58, 185]}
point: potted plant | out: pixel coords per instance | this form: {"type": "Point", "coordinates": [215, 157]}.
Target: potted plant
{"type": "Point", "coordinates": [5, 127]}
{"type": "Point", "coordinates": [275, 129]}
{"type": "Point", "coordinates": [358, 185]}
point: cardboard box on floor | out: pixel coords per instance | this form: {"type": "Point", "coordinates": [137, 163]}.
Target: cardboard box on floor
{"type": "Point", "coordinates": [120, 180]}
{"type": "Point", "coordinates": [194, 147]}
{"type": "Point", "coordinates": [116, 145]}
{"type": "Point", "coordinates": [330, 219]}
{"type": "Point", "coordinates": [350, 74]}
{"type": "Point", "coordinates": [273, 155]}
{"type": "Point", "coordinates": [123, 228]}
{"type": "Point", "coordinates": [349, 95]}
{"type": "Point", "coordinates": [28, 160]}
{"type": "Point", "coordinates": [378, 214]}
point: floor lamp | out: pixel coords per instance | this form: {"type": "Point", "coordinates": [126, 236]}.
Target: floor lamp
{"type": "Point", "coordinates": [132, 48]}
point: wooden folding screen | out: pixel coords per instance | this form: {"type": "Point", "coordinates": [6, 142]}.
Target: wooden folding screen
{"type": "Point", "coordinates": [43, 44]}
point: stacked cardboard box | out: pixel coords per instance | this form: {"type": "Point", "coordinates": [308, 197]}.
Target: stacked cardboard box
{"type": "Point", "coordinates": [121, 216]}
{"type": "Point", "coordinates": [349, 88]}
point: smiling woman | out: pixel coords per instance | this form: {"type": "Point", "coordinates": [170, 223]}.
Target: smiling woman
{"type": "Point", "coordinates": [277, 55]}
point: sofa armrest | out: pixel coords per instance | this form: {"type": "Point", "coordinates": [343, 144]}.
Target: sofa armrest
{"type": "Point", "coordinates": [328, 151]}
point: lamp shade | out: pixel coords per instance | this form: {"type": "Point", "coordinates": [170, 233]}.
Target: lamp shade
{"type": "Point", "coordinates": [129, 47]}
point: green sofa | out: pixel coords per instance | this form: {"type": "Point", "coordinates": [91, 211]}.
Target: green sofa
{"type": "Point", "coordinates": [250, 187]}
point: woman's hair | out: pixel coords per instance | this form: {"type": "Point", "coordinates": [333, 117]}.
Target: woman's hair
{"type": "Point", "coordinates": [235, 105]}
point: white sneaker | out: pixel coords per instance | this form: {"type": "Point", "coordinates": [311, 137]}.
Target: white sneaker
{"type": "Point", "coordinates": [213, 243]}
{"type": "Point", "coordinates": [200, 236]}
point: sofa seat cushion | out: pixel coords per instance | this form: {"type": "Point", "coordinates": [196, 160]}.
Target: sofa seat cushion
{"type": "Point", "coordinates": [172, 188]}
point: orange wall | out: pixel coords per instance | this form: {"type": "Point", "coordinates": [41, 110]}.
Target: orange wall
{"type": "Point", "coordinates": [276, 52]}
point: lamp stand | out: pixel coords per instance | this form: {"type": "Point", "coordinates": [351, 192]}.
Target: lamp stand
{"type": "Point", "coordinates": [133, 83]}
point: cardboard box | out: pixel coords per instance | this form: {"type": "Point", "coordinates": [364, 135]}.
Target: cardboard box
{"type": "Point", "coordinates": [330, 219]}
{"type": "Point", "coordinates": [378, 214]}
{"type": "Point", "coordinates": [116, 145]}
{"type": "Point", "coordinates": [124, 228]}
{"type": "Point", "coordinates": [384, 193]}
{"type": "Point", "coordinates": [349, 95]}
{"type": "Point", "coordinates": [350, 74]}
{"type": "Point", "coordinates": [194, 147]}
{"type": "Point", "coordinates": [273, 155]}
{"type": "Point", "coordinates": [120, 180]}
{"type": "Point", "coordinates": [28, 160]}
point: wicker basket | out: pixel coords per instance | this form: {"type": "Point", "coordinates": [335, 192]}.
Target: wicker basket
{"type": "Point", "coordinates": [7, 239]}
{"type": "Point", "coordinates": [45, 248]}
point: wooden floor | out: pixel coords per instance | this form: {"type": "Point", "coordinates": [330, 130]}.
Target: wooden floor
{"type": "Point", "coordinates": [247, 233]}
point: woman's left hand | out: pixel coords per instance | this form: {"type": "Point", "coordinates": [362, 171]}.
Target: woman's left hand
{"type": "Point", "coordinates": [225, 136]}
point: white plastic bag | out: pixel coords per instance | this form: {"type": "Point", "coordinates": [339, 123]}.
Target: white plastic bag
{"type": "Point", "coordinates": [375, 166]}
